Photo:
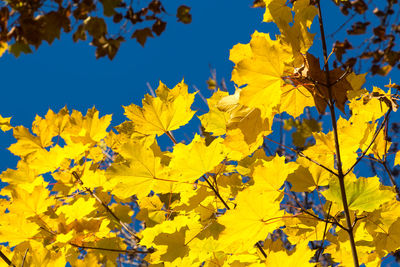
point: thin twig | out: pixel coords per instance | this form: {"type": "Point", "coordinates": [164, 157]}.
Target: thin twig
{"type": "Point", "coordinates": [261, 249]}
{"type": "Point", "coordinates": [6, 259]}
{"type": "Point", "coordinates": [299, 153]}
{"type": "Point", "coordinates": [315, 216]}
{"type": "Point", "coordinates": [372, 141]}
{"type": "Point", "coordinates": [321, 248]}
{"type": "Point", "coordinates": [216, 192]}
{"type": "Point", "coordinates": [77, 177]}
{"type": "Point", "coordinates": [392, 180]}
{"type": "Point", "coordinates": [23, 260]}
{"type": "Point", "coordinates": [130, 251]}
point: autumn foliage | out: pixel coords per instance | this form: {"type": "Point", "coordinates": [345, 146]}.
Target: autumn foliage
{"type": "Point", "coordinates": [219, 200]}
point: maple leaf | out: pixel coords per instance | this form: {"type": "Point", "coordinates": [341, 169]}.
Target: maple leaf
{"type": "Point", "coordinates": [15, 229]}
{"type": "Point", "coordinates": [253, 218]}
{"type": "Point", "coordinates": [314, 79]}
{"type": "Point", "coordinates": [260, 72]}
{"type": "Point", "coordinates": [363, 194]}
{"type": "Point", "coordinates": [139, 174]}
{"type": "Point", "coordinates": [301, 256]}
{"type": "Point", "coordinates": [31, 203]}
{"type": "Point", "coordinates": [269, 176]}
{"type": "Point", "coordinates": [87, 129]}
{"type": "Point", "coordinates": [192, 161]}
{"type": "Point", "coordinates": [166, 112]}
{"type": "Point", "coordinates": [26, 142]}
{"type": "Point", "coordinates": [215, 120]}
{"type": "Point", "coordinates": [308, 176]}
{"type": "Point", "coordinates": [245, 129]}
{"type": "Point", "coordinates": [295, 99]}
{"type": "Point", "coordinates": [77, 210]}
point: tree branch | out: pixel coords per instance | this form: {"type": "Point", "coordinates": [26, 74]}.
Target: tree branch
{"type": "Point", "coordinates": [337, 148]}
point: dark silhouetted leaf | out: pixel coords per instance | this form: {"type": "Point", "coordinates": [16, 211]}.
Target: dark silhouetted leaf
{"type": "Point", "coordinates": [95, 26]}
{"type": "Point", "coordinates": [158, 27]}
{"type": "Point", "coordinates": [183, 14]}
{"type": "Point", "coordinates": [358, 28]}
{"type": "Point", "coordinates": [142, 35]}
{"type": "Point", "coordinates": [19, 47]}
{"type": "Point", "coordinates": [109, 6]}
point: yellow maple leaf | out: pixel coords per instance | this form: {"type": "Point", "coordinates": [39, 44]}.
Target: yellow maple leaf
{"type": "Point", "coordinates": [88, 129]}
{"type": "Point", "coordinates": [26, 142]}
{"type": "Point", "coordinates": [363, 194]}
{"type": "Point", "coordinates": [261, 71]}
{"type": "Point", "coordinates": [295, 99]}
{"type": "Point", "coordinates": [269, 176]}
{"type": "Point", "coordinates": [139, 174]}
{"type": "Point", "coordinates": [301, 256]}
{"type": "Point", "coordinates": [192, 161]}
{"type": "Point", "coordinates": [308, 176]}
{"type": "Point", "coordinates": [16, 229]}
{"type": "Point", "coordinates": [166, 112]}
{"type": "Point", "coordinates": [77, 210]}
{"type": "Point", "coordinates": [28, 204]}
{"type": "Point", "coordinates": [253, 218]}
{"type": "Point", "coordinates": [277, 11]}
{"type": "Point", "coordinates": [245, 129]}
{"type": "Point", "coordinates": [215, 120]}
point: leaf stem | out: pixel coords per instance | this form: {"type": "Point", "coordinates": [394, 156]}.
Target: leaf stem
{"type": "Point", "coordinates": [337, 148]}
{"type": "Point", "coordinates": [169, 134]}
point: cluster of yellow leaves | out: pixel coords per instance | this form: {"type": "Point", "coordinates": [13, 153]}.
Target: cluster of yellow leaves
{"type": "Point", "coordinates": [218, 200]}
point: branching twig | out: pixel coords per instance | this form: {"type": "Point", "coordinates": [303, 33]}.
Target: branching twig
{"type": "Point", "coordinates": [216, 192]}
{"type": "Point", "coordinates": [372, 141]}
{"type": "Point", "coordinates": [315, 216]}
{"type": "Point", "coordinates": [299, 153]}
{"type": "Point", "coordinates": [77, 177]}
